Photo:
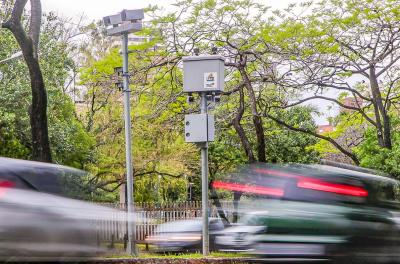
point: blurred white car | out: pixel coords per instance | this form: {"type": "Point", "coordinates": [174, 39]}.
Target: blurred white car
{"type": "Point", "coordinates": [37, 222]}
{"type": "Point", "coordinates": [184, 235]}
{"type": "Point", "coordinates": [238, 238]}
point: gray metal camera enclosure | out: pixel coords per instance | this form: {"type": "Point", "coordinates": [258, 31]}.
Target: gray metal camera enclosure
{"type": "Point", "coordinates": [135, 14]}
{"type": "Point", "coordinates": [124, 28]}
{"type": "Point", "coordinates": [113, 20]}
{"type": "Point", "coordinates": [203, 73]}
{"type": "Point", "coordinates": [199, 128]}
{"type": "Point", "coordinates": [125, 22]}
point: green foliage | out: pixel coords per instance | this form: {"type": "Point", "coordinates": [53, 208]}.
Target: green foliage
{"type": "Point", "coordinates": [382, 159]}
{"type": "Point", "coordinates": [327, 47]}
{"type": "Point", "coordinates": [161, 157]}
{"type": "Point", "coordinates": [10, 144]}
{"type": "Point", "coordinates": [70, 143]}
{"type": "Point", "coordinates": [342, 123]}
{"type": "Point", "coordinates": [91, 136]}
{"type": "Point", "coordinates": [284, 145]}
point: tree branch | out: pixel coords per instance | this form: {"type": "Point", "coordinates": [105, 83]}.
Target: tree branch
{"type": "Point", "coordinates": [34, 27]}
{"type": "Point", "coordinates": [312, 133]}
{"type": "Point", "coordinates": [331, 100]}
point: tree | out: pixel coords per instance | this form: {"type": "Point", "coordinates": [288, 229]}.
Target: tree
{"type": "Point", "coordinates": [29, 44]}
{"type": "Point", "coordinates": [229, 27]}
{"type": "Point", "coordinates": [342, 46]}
{"type": "Point", "coordinates": [71, 144]}
{"type": "Point", "coordinates": [382, 159]}
{"type": "Point", "coordinates": [161, 158]}
{"type": "Point", "coordinates": [233, 29]}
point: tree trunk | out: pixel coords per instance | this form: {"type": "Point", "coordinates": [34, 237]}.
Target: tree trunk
{"type": "Point", "coordinates": [29, 47]}
{"type": "Point", "coordinates": [257, 121]}
{"type": "Point", "coordinates": [258, 124]}
{"type": "Point", "coordinates": [217, 204]}
{"type": "Point", "coordinates": [38, 114]}
{"type": "Point", "coordinates": [35, 23]}
{"type": "Point", "coordinates": [384, 131]}
{"type": "Point", "coordinates": [239, 129]}
{"type": "Point", "coordinates": [236, 199]}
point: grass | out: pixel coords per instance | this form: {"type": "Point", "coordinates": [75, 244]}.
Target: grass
{"type": "Point", "coordinates": [182, 255]}
{"type": "Point", "coordinates": [119, 252]}
{"type": "Point", "coordinates": [192, 255]}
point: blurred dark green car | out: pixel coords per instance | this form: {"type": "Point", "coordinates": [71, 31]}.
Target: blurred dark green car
{"type": "Point", "coordinates": [314, 212]}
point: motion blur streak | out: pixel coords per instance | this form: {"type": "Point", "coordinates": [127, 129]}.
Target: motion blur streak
{"type": "Point", "coordinates": [277, 173]}
{"type": "Point", "coordinates": [35, 225]}
{"type": "Point", "coordinates": [310, 183]}
{"type": "Point", "coordinates": [183, 235]}
{"type": "Point", "coordinates": [332, 187]}
{"type": "Point", "coordinates": [319, 213]}
{"type": "Point", "coordinates": [45, 214]}
{"type": "Point", "coordinates": [4, 185]}
{"type": "Point", "coordinates": [248, 189]}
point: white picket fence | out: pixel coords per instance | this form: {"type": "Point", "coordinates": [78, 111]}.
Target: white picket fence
{"type": "Point", "coordinates": [149, 216]}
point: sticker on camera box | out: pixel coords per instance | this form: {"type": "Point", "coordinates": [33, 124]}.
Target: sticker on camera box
{"type": "Point", "coordinates": [210, 80]}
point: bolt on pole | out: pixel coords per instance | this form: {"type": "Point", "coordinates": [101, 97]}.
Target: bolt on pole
{"type": "Point", "coordinates": [204, 181]}
{"type": "Point", "coordinates": [131, 246]}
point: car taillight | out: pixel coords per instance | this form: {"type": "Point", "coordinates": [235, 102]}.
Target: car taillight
{"type": "Point", "coordinates": [4, 186]}
{"type": "Point", "coordinates": [248, 188]}
{"type": "Point", "coordinates": [318, 185]}
{"type": "Point", "coordinates": [324, 186]}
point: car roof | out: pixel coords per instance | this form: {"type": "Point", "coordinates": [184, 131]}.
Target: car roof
{"type": "Point", "coordinates": [19, 164]}
{"type": "Point", "coordinates": [259, 170]}
{"type": "Point", "coordinates": [360, 175]}
{"type": "Point", "coordinates": [45, 177]}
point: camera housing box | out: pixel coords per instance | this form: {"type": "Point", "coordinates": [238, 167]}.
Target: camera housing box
{"type": "Point", "coordinates": [128, 21]}
{"type": "Point", "coordinates": [199, 128]}
{"type": "Point", "coordinates": [135, 14]}
{"type": "Point", "coordinates": [113, 20]}
{"type": "Point", "coordinates": [124, 28]}
{"type": "Point", "coordinates": [203, 73]}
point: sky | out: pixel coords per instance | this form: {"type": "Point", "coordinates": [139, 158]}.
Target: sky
{"type": "Point", "coordinates": [97, 9]}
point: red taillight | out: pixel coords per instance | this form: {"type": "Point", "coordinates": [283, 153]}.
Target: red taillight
{"type": "Point", "coordinates": [343, 189]}
{"type": "Point", "coordinates": [4, 185]}
{"type": "Point", "coordinates": [248, 189]}
{"type": "Point", "coordinates": [318, 185]}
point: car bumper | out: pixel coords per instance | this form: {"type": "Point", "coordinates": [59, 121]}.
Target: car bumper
{"type": "Point", "coordinates": [290, 250]}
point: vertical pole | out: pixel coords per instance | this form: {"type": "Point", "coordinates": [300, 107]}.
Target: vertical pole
{"type": "Point", "coordinates": [131, 247]}
{"type": "Point", "coordinates": [204, 181]}
{"type": "Point", "coordinates": [159, 189]}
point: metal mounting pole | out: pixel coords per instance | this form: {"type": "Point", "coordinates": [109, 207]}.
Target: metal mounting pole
{"type": "Point", "coordinates": [204, 181]}
{"type": "Point", "coordinates": [131, 247]}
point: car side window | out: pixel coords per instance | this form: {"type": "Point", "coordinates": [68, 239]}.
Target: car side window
{"type": "Point", "coordinates": [16, 182]}
{"type": "Point", "coordinates": [386, 194]}
{"type": "Point", "coordinates": [216, 225]}
{"type": "Point", "coordinates": [396, 189]}
{"type": "Point", "coordinates": [385, 191]}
